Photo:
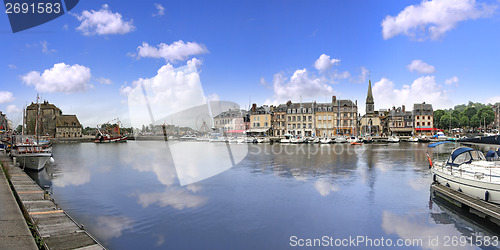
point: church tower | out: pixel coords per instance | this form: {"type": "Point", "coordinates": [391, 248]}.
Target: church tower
{"type": "Point", "coordinates": [370, 105]}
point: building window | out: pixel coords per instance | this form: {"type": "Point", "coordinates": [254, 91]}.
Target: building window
{"type": "Point", "coordinates": [418, 124]}
{"type": "Point", "coordinates": [429, 117]}
{"type": "Point", "coordinates": [428, 124]}
{"type": "Point", "coordinates": [319, 118]}
{"type": "Point", "coordinates": [310, 118]}
{"type": "Point", "coordinates": [265, 124]}
{"type": "Point", "coordinates": [298, 118]}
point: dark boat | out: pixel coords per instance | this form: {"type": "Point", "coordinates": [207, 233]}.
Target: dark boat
{"type": "Point", "coordinates": [493, 139]}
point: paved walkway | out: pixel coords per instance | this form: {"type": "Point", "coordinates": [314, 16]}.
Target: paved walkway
{"type": "Point", "coordinates": [14, 232]}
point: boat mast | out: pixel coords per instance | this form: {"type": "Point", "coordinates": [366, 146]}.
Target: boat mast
{"type": "Point", "coordinates": [36, 122]}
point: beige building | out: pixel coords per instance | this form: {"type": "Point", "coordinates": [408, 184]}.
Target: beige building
{"type": "Point", "coordinates": [68, 126]}
{"type": "Point", "coordinates": [325, 120]}
{"type": "Point", "coordinates": [300, 119]}
{"type": "Point", "coordinates": [260, 120]}
{"type": "Point", "coordinates": [423, 119]}
{"type": "Point", "coordinates": [279, 120]}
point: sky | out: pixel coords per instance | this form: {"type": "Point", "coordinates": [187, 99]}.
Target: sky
{"type": "Point", "coordinates": [89, 62]}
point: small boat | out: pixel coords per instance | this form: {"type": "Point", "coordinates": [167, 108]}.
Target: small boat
{"type": "Point", "coordinates": [413, 139]}
{"type": "Point", "coordinates": [356, 143]}
{"type": "Point", "coordinates": [469, 172]}
{"type": "Point", "coordinates": [298, 139]}
{"type": "Point", "coordinates": [367, 139]}
{"type": "Point", "coordinates": [352, 139]}
{"type": "Point", "coordinates": [325, 141]}
{"type": "Point", "coordinates": [340, 139]}
{"type": "Point", "coordinates": [313, 140]}
{"type": "Point", "coordinates": [287, 138]}
{"type": "Point", "coordinates": [423, 139]}
{"type": "Point", "coordinates": [188, 137]}
{"type": "Point", "coordinates": [440, 136]}
{"type": "Point", "coordinates": [393, 139]}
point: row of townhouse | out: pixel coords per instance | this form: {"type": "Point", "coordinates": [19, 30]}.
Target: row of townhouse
{"type": "Point", "coordinates": [338, 117]}
{"type": "Point", "coordinates": [305, 119]}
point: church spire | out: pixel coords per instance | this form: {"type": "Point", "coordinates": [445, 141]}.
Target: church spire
{"type": "Point", "coordinates": [369, 98]}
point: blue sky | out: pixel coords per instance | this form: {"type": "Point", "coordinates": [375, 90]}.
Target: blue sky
{"type": "Point", "coordinates": [86, 62]}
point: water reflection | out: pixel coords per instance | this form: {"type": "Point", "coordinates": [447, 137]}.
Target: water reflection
{"type": "Point", "coordinates": [130, 196]}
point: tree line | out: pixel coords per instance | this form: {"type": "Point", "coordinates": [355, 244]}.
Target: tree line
{"type": "Point", "coordinates": [471, 116]}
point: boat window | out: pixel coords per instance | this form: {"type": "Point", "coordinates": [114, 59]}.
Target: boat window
{"type": "Point", "coordinates": [477, 156]}
{"type": "Point", "coordinates": [465, 157]}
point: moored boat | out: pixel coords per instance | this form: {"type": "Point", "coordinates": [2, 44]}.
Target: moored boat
{"type": "Point", "coordinates": [29, 153]}
{"type": "Point", "coordinates": [467, 170]}
{"type": "Point", "coordinates": [107, 133]}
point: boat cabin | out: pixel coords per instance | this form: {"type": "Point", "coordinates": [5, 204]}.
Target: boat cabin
{"type": "Point", "coordinates": [463, 155]}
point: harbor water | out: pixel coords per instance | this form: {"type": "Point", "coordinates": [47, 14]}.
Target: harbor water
{"type": "Point", "coordinates": [133, 196]}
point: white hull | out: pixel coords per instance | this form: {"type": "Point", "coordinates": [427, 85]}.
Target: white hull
{"type": "Point", "coordinates": [340, 140]}
{"type": "Point", "coordinates": [326, 141]}
{"type": "Point", "coordinates": [35, 161]}
{"type": "Point", "coordinates": [285, 140]}
{"type": "Point", "coordinates": [470, 183]}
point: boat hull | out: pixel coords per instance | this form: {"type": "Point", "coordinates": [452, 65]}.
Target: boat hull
{"type": "Point", "coordinates": [35, 161]}
{"type": "Point", "coordinates": [109, 140]}
{"type": "Point", "coordinates": [487, 191]}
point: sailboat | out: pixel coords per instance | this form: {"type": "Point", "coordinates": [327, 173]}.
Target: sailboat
{"type": "Point", "coordinates": [28, 150]}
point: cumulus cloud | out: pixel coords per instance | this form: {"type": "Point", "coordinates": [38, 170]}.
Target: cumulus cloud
{"type": "Point", "coordinates": [177, 51]}
{"type": "Point", "coordinates": [12, 109]}
{"type": "Point", "coordinates": [103, 22]}
{"type": "Point", "coordinates": [452, 81]}
{"type": "Point", "coordinates": [423, 89]}
{"type": "Point", "coordinates": [421, 67]}
{"type": "Point", "coordinates": [160, 9]}
{"type": "Point", "coordinates": [432, 19]}
{"type": "Point", "coordinates": [6, 96]}
{"type": "Point", "coordinates": [60, 78]}
{"type": "Point", "coordinates": [361, 78]}
{"type": "Point", "coordinates": [300, 84]}
{"type": "Point", "coordinates": [103, 80]}
{"type": "Point", "coordinates": [324, 63]}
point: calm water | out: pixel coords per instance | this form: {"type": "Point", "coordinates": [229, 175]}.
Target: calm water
{"type": "Point", "coordinates": [129, 195]}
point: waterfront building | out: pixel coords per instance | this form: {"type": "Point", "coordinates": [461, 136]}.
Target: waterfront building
{"type": "Point", "coordinates": [370, 123]}
{"type": "Point", "coordinates": [231, 121]}
{"type": "Point", "coordinates": [300, 119]}
{"type": "Point", "coordinates": [4, 124]}
{"type": "Point", "coordinates": [325, 120]}
{"type": "Point", "coordinates": [347, 117]}
{"type": "Point", "coordinates": [49, 116]}
{"type": "Point", "coordinates": [400, 121]}
{"type": "Point", "coordinates": [68, 126]}
{"type": "Point", "coordinates": [260, 120]}
{"type": "Point", "coordinates": [424, 119]}
{"type": "Point", "coordinates": [279, 119]}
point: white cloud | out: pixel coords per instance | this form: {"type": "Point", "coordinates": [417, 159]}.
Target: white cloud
{"type": "Point", "coordinates": [177, 51]}
{"type": "Point", "coordinates": [160, 8]}
{"type": "Point", "coordinates": [432, 19]}
{"type": "Point", "coordinates": [421, 67]}
{"type": "Point", "coordinates": [45, 48]}
{"type": "Point", "coordinates": [263, 81]}
{"type": "Point", "coordinates": [60, 78]}
{"type": "Point", "coordinates": [423, 89]}
{"type": "Point", "coordinates": [103, 80]}
{"type": "Point", "coordinates": [12, 109]}
{"type": "Point", "coordinates": [213, 97]}
{"type": "Point", "coordinates": [194, 62]}
{"type": "Point", "coordinates": [6, 96]}
{"type": "Point", "coordinates": [341, 75]}
{"type": "Point", "coordinates": [300, 84]}
{"type": "Point", "coordinates": [103, 22]}
{"type": "Point", "coordinates": [452, 81]}
{"type": "Point", "coordinates": [324, 63]}
{"type": "Point", "coordinates": [325, 188]}
{"type": "Point", "coordinates": [12, 66]}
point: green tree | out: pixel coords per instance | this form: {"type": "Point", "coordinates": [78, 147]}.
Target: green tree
{"type": "Point", "coordinates": [444, 122]}
{"type": "Point", "coordinates": [475, 121]}
{"type": "Point", "coordinates": [456, 114]}
{"type": "Point", "coordinates": [469, 112]}
{"type": "Point", "coordinates": [460, 108]}
{"type": "Point", "coordinates": [486, 114]}
{"type": "Point", "coordinates": [464, 121]}
{"type": "Point", "coordinates": [437, 117]}
{"type": "Point", "coordinates": [454, 122]}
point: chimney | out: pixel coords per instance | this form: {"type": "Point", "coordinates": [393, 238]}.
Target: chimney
{"type": "Point", "coordinates": [334, 99]}
{"type": "Point", "coordinates": [403, 108]}
{"type": "Point", "coordinates": [254, 107]}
